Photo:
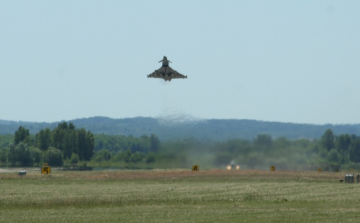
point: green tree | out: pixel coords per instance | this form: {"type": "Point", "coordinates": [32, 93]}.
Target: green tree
{"type": "Point", "coordinates": [6, 140]}
{"type": "Point", "coordinates": [22, 135]}
{"type": "Point", "coordinates": [85, 144]}
{"type": "Point", "coordinates": [69, 142]}
{"type": "Point", "coordinates": [58, 136]}
{"type": "Point", "coordinates": [282, 143]}
{"type": "Point", "coordinates": [3, 157]}
{"type": "Point", "coordinates": [328, 140]}
{"type": "Point", "coordinates": [53, 157]}
{"type": "Point", "coordinates": [90, 145]}
{"type": "Point", "coordinates": [150, 158]}
{"type": "Point", "coordinates": [97, 157]}
{"type": "Point", "coordinates": [117, 157]}
{"type": "Point", "coordinates": [136, 157]}
{"type": "Point", "coordinates": [12, 155]}
{"type": "Point", "coordinates": [81, 143]}
{"type": "Point", "coordinates": [43, 139]}
{"type": "Point", "coordinates": [154, 143]}
{"type": "Point", "coordinates": [36, 155]}
{"type": "Point", "coordinates": [263, 143]}
{"type": "Point", "coordinates": [354, 150]}
{"type": "Point", "coordinates": [342, 143]}
{"type": "Point", "coordinates": [127, 156]}
{"type": "Point", "coordinates": [23, 154]}
{"type": "Point", "coordinates": [334, 157]}
{"type": "Point", "coordinates": [104, 155]}
{"type": "Point", "coordinates": [74, 158]}
{"type": "Point", "coordinates": [20, 154]}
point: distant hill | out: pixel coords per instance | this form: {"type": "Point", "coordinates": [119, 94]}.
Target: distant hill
{"type": "Point", "coordinates": [212, 129]}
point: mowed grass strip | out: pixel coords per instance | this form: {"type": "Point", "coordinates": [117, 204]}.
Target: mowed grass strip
{"type": "Point", "coordinates": [178, 196]}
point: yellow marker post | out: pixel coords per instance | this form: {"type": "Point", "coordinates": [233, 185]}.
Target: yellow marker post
{"type": "Point", "coordinates": [195, 168]}
{"type": "Point", "coordinates": [272, 168]}
{"type": "Point", "coordinates": [45, 170]}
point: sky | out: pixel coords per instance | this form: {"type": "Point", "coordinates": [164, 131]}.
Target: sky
{"type": "Point", "coordinates": [283, 61]}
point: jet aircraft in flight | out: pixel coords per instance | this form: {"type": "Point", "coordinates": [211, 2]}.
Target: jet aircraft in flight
{"type": "Point", "coordinates": [166, 72]}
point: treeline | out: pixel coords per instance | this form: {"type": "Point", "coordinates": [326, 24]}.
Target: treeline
{"type": "Point", "coordinates": [51, 146]}
{"type": "Point", "coordinates": [126, 149]}
{"type": "Point", "coordinates": [115, 143]}
{"type": "Point", "coordinates": [67, 145]}
{"type": "Point", "coordinates": [331, 152]}
{"type": "Point", "coordinates": [340, 149]}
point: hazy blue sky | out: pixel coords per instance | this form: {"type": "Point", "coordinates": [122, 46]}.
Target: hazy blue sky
{"type": "Point", "coordinates": [287, 61]}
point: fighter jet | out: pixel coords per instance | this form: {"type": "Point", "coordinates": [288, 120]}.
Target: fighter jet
{"type": "Point", "coordinates": [166, 72]}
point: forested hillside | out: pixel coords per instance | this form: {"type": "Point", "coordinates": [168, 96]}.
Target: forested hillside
{"type": "Point", "coordinates": [213, 129]}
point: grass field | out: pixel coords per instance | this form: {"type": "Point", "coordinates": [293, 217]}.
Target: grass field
{"type": "Point", "coordinates": [178, 196]}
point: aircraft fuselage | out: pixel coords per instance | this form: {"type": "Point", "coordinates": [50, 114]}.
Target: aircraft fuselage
{"type": "Point", "coordinates": [166, 72]}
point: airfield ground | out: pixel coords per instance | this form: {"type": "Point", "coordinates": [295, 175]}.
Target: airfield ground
{"type": "Point", "coordinates": [178, 196]}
